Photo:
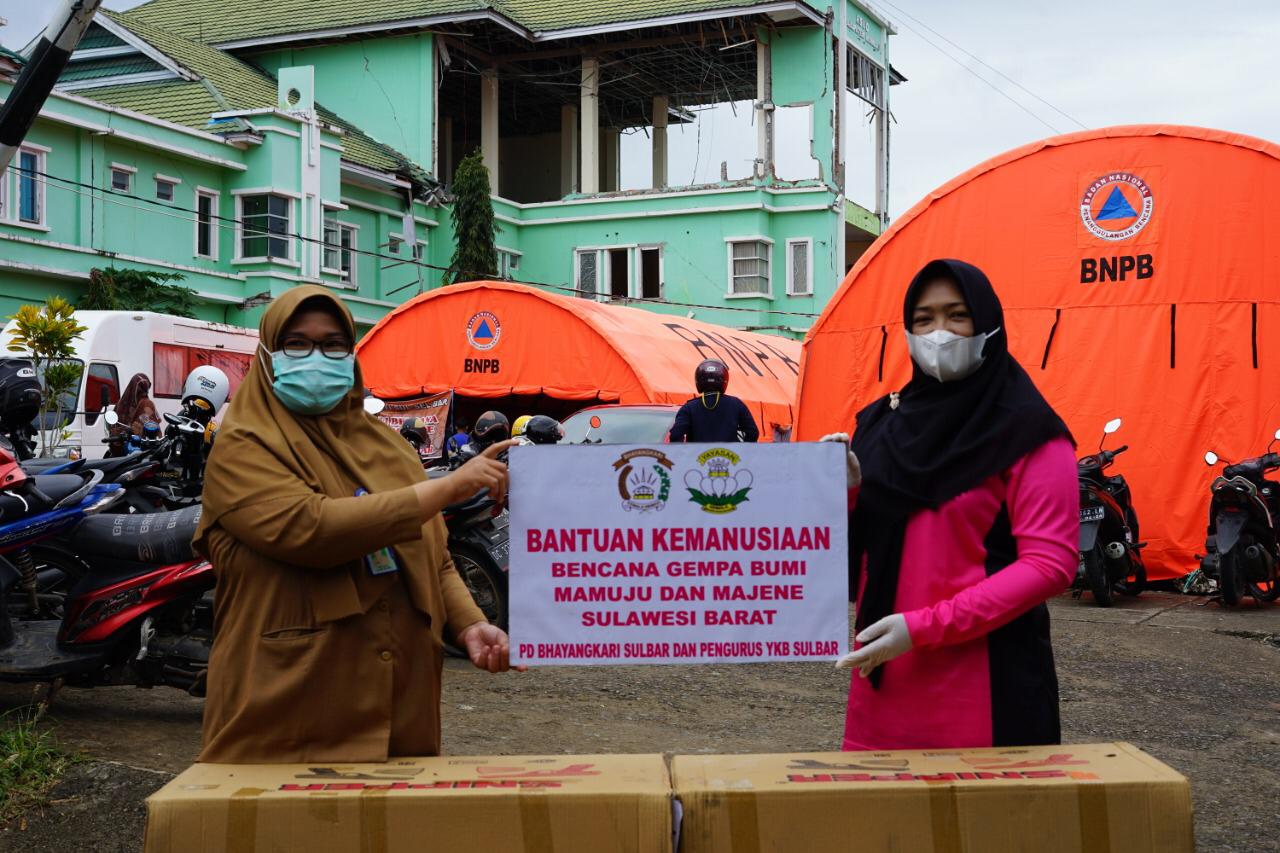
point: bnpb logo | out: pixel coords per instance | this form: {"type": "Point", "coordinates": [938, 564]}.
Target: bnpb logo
{"type": "Point", "coordinates": [1116, 206]}
{"type": "Point", "coordinates": [483, 331]}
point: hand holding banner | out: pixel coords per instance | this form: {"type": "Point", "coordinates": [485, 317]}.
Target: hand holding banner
{"type": "Point", "coordinates": [680, 554]}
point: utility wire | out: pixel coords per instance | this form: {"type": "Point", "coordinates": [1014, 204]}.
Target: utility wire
{"type": "Point", "coordinates": [176, 211]}
{"type": "Point", "coordinates": [986, 65]}
{"type": "Point", "coordinates": [1001, 92]}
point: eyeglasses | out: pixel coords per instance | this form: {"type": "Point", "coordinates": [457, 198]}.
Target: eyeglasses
{"type": "Point", "coordinates": [302, 347]}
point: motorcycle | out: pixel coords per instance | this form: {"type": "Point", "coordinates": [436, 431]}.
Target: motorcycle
{"type": "Point", "coordinates": [33, 512]}
{"type": "Point", "coordinates": [478, 535]}
{"type": "Point", "coordinates": [164, 473]}
{"type": "Point", "coordinates": [1243, 553]}
{"type": "Point", "coordinates": [1110, 553]}
{"type": "Point", "coordinates": [140, 612]}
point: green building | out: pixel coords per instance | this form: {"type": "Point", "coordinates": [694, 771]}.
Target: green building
{"type": "Point", "coordinates": [251, 145]}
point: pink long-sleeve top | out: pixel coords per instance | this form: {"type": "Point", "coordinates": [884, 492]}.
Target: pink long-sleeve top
{"type": "Point", "coordinates": [980, 671]}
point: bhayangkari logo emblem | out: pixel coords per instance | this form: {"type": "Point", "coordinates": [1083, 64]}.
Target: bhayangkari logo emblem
{"type": "Point", "coordinates": [719, 486]}
{"type": "Point", "coordinates": [1116, 206]}
{"type": "Point", "coordinates": [643, 480]}
{"type": "Point", "coordinates": [483, 331]}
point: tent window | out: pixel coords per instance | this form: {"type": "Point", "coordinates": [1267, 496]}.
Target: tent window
{"type": "Point", "coordinates": [1048, 345]}
{"type": "Point", "coordinates": [1254, 335]}
{"type": "Point", "coordinates": [1173, 336]}
{"type": "Point", "coordinates": [884, 343]}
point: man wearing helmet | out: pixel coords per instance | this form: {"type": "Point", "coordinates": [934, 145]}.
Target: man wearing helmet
{"type": "Point", "coordinates": [714, 416]}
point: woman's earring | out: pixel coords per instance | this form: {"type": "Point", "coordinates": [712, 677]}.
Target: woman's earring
{"type": "Point", "coordinates": [894, 400]}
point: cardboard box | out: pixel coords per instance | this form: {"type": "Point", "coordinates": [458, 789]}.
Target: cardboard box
{"type": "Point", "coordinates": [514, 804]}
{"type": "Point", "coordinates": [1059, 799]}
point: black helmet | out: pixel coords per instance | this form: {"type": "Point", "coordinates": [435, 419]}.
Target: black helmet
{"type": "Point", "coordinates": [543, 430]}
{"type": "Point", "coordinates": [712, 377]}
{"type": "Point", "coordinates": [414, 431]}
{"type": "Point", "coordinates": [490, 428]}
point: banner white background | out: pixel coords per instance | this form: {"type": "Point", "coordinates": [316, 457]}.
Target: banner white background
{"type": "Point", "coordinates": [680, 553]}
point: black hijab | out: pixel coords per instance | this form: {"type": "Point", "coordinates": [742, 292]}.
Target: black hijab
{"type": "Point", "coordinates": [943, 439]}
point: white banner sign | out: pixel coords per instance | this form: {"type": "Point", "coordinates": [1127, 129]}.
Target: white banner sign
{"type": "Point", "coordinates": [680, 553]}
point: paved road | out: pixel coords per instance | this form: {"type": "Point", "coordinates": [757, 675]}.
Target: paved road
{"type": "Point", "coordinates": [1191, 682]}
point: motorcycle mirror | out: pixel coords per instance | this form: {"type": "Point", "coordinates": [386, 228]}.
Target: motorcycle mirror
{"type": "Point", "coordinates": [111, 417]}
{"type": "Point", "coordinates": [373, 405]}
{"type": "Point", "coordinates": [1111, 426]}
{"type": "Point", "coordinates": [1211, 458]}
{"type": "Point", "coordinates": [595, 422]}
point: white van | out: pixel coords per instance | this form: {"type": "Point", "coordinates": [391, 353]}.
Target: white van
{"type": "Point", "coordinates": [118, 345]}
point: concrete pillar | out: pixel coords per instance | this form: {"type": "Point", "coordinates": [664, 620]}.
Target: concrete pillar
{"type": "Point", "coordinates": [661, 105]}
{"type": "Point", "coordinates": [489, 125]}
{"type": "Point", "coordinates": [590, 125]}
{"type": "Point", "coordinates": [610, 159]}
{"type": "Point", "coordinates": [764, 110]}
{"type": "Point", "coordinates": [568, 149]}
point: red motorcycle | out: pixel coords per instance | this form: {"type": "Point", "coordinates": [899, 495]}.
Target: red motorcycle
{"type": "Point", "coordinates": [140, 612]}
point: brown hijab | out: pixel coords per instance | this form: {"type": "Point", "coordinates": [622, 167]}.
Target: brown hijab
{"type": "Point", "coordinates": [265, 452]}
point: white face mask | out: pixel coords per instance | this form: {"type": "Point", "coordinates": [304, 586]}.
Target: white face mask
{"type": "Point", "coordinates": [946, 356]}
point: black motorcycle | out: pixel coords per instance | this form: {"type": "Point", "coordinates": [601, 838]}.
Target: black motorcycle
{"type": "Point", "coordinates": [1110, 553]}
{"type": "Point", "coordinates": [1243, 554]}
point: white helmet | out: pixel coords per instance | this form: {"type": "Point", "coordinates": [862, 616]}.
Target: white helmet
{"type": "Point", "coordinates": [209, 384]}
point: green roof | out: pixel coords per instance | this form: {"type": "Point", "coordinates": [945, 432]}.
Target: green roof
{"type": "Point", "coordinates": [227, 84]}
{"type": "Point", "coordinates": [219, 21]}
{"type": "Point", "coordinates": [96, 69]}
{"type": "Point", "coordinates": [15, 56]}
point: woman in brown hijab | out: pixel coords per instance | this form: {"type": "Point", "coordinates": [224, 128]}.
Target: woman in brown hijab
{"type": "Point", "coordinates": [335, 586]}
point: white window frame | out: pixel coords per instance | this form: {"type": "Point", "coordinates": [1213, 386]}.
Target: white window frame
{"type": "Point", "coordinates": [214, 226]}
{"type": "Point", "coordinates": [348, 279]}
{"type": "Point", "coordinates": [14, 176]}
{"type": "Point", "coordinates": [729, 244]}
{"type": "Point", "coordinates": [604, 269]}
{"type": "Point", "coordinates": [578, 253]}
{"type": "Point", "coordinates": [419, 253]}
{"type": "Point", "coordinates": [172, 182]}
{"type": "Point", "coordinates": [238, 255]}
{"type": "Point", "coordinates": [637, 289]}
{"type": "Point", "coordinates": [791, 289]}
{"type": "Point", "coordinates": [505, 267]}
{"type": "Point", "coordinates": [128, 171]}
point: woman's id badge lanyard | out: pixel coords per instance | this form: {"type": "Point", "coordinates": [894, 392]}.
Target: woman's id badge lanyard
{"type": "Point", "coordinates": [381, 561]}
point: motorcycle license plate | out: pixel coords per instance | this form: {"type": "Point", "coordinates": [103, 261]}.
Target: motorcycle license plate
{"type": "Point", "coordinates": [1092, 513]}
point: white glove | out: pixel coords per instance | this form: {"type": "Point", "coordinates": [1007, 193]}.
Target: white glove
{"type": "Point", "coordinates": [853, 468]}
{"type": "Point", "coordinates": [879, 643]}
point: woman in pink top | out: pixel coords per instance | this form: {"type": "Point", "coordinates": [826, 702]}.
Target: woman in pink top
{"type": "Point", "coordinates": [965, 521]}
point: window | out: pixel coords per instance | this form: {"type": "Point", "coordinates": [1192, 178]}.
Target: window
{"type": "Point", "coordinates": [394, 243]}
{"type": "Point", "coordinates": [508, 264]}
{"type": "Point", "coordinates": [101, 389]}
{"type": "Point", "coordinates": [164, 189]}
{"type": "Point", "coordinates": [419, 251]}
{"type": "Point", "coordinates": [749, 268]}
{"type": "Point", "coordinates": [30, 187]}
{"type": "Point", "coordinates": [173, 362]}
{"type": "Point", "coordinates": [588, 273]}
{"type": "Point", "coordinates": [121, 180]}
{"type": "Point", "coordinates": [339, 240]}
{"type": "Point", "coordinates": [265, 220]}
{"type": "Point", "coordinates": [800, 267]}
{"type": "Point", "coordinates": [206, 224]}
{"type": "Point", "coordinates": [651, 273]}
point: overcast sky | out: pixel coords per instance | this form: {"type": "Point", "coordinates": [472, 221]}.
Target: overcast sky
{"type": "Point", "coordinates": [1102, 62]}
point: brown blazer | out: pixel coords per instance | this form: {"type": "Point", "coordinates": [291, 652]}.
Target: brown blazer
{"type": "Point", "coordinates": [314, 658]}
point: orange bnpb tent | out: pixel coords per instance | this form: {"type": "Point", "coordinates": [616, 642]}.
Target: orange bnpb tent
{"type": "Point", "coordinates": [1139, 268]}
{"type": "Point", "coordinates": [488, 339]}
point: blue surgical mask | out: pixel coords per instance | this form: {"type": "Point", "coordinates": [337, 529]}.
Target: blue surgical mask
{"type": "Point", "coordinates": [313, 384]}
